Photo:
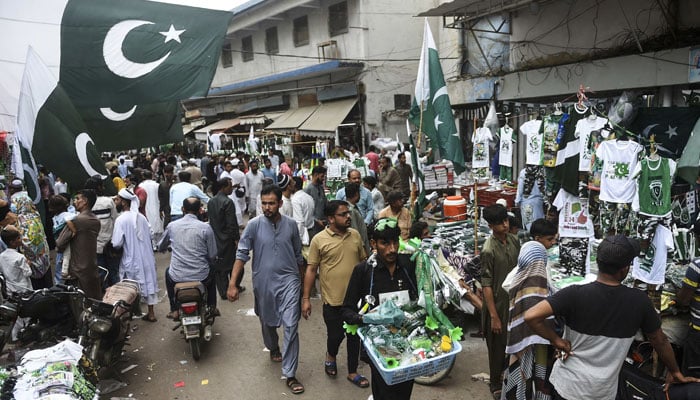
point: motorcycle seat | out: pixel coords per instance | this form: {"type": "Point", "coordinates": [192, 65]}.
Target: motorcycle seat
{"type": "Point", "coordinates": [189, 291]}
{"type": "Point", "coordinates": [126, 291]}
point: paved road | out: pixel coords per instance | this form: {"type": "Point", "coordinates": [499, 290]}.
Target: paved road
{"type": "Point", "coordinates": [234, 364]}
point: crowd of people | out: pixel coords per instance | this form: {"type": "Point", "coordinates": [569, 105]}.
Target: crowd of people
{"type": "Point", "coordinates": [217, 213]}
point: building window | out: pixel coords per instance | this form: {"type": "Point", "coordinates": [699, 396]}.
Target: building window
{"type": "Point", "coordinates": [226, 55]}
{"type": "Point", "coordinates": [247, 48]}
{"type": "Point", "coordinates": [338, 18]}
{"type": "Point", "coordinates": [402, 102]}
{"type": "Point", "coordinates": [271, 44]}
{"type": "Point", "coordinates": [301, 31]}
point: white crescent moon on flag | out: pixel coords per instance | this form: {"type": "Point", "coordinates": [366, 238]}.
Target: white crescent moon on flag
{"type": "Point", "coordinates": [114, 56]}
{"type": "Point", "coordinates": [33, 178]}
{"type": "Point", "coordinates": [440, 92]}
{"type": "Point", "coordinates": [648, 129]}
{"type": "Point", "coordinates": [81, 142]}
{"type": "Point", "coordinates": [116, 116]}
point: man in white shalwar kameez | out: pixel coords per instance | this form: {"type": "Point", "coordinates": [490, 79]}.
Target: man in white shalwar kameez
{"type": "Point", "coordinates": [131, 231]}
{"type": "Point", "coordinates": [152, 207]}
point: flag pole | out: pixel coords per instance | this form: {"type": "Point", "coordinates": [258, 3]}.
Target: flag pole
{"type": "Point", "coordinates": [420, 126]}
{"type": "Point", "coordinates": [476, 218]}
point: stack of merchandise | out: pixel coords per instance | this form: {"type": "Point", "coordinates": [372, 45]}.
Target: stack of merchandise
{"type": "Point", "coordinates": [438, 176]}
{"type": "Point", "coordinates": [59, 372]}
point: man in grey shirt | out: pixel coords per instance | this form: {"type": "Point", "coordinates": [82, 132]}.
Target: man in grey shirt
{"type": "Point", "coordinates": [194, 249]}
{"type": "Point", "coordinates": [315, 190]}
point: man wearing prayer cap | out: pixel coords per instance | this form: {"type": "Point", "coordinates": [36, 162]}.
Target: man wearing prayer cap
{"type": "Point", "coordinates": [133, 234]}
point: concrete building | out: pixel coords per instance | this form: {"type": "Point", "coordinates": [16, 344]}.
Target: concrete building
{"type": "Point", "coordinates": [321, 65]}
{"type": "Point", "coordinates": [530, 54]}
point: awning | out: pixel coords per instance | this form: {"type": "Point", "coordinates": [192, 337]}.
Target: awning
{"type": "Point", "coordinates": [324, 121]}
{"type": "Point", "coordinates": [293, 118]}
{"type": "Point", "coordinates": [252, 119]}
{"type": "Point", "coordinates": [222, 125]}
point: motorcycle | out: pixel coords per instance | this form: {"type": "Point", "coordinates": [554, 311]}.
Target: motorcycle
{"type": "Point", "coordinates": [105, 323]}
{"type": "Point", "coordinates": [52, 314]}
{"type": "Point", "coordinates": [196, 317]}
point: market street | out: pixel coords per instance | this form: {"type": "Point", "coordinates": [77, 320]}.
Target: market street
{"type": "Point", "coordinates": [234, 366]}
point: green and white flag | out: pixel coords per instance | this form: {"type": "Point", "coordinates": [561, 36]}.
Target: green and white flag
{"type": "Point", "coordinates": [50, 128]}
{"type": "Point", "coordinates": [124, 64]}
{"type": "Point", "coordinates": [431, 110]}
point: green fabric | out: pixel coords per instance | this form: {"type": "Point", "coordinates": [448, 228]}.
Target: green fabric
{"type": "Point", "coordinates": [688, 163]}
{"type": "Point", "coordinates": [106, 51]}
{"type": "Point", "coordinates": [432, 111]}
{"type": "Point", "coordinates": [655, 187]}
{"type": "Point", "coordinates": [420, 202]}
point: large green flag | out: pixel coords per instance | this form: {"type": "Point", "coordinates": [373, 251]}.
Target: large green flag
{"type": "Point", "coordinates": [124, 64]}
{"type": "Point", "coordinates": [431, 110]}
{"type": "Point", "coordinates": [50, 127]}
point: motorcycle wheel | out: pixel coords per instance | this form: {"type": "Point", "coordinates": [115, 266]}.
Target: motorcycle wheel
{"type": "Point", "coordinates": [195, 347]}
{"type": "Point", "coordinates": [430, 380]}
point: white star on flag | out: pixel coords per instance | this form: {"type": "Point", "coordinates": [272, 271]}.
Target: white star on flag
{"type": "Point", "coordinates": [437, 122]}
{"type": "Point", "coordinates": [672, 131]}
{"type": "Point", "coordinates": [172, 34]}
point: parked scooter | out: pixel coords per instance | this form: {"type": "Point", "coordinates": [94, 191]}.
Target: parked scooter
{"type": "Point", "coordinates": [53, 314]}
{"type": "Point", "coordinates": [105, 323]}
{"type": "Point", "coordinates": [196, 317]}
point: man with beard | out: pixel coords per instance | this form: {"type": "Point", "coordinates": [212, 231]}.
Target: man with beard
{"type": "Point", "coordinates": [384, 272]}
{"type": "Point", "coordinates": [106, 212]}
{"type": "Point", "coordinates": [132, 233]}
{"type": "Point", "coordinates": [82, 268]}
{"type": "Point", "coordinates": [365, 205]}
{"type": "Point", "coordinates": [254, 180]}
{"type": "Point", "coordinates": [316, 191]}
{"type": "Point", "coordinates": [164, 193]}
{"type": "Point", "coordinates": [335, 251]}
{"type": "Point", "coordinates": [274, 240]}
{"type": "Point", "coordinates": [222, 218]}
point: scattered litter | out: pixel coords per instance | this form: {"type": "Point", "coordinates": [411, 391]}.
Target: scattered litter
{"type": "Point", "coordinates": [180, 384]}
{"type": "Point", "coordinates": [129, 368]}
{"type": "Point", "coordinates": [248, 312]}
{"type": "Point", "coordinates": [266, 349]}
{"type": "Point", "coordinates": [162, 339]}
{"type": "Point", "coordinates": [136, 350]}
{"type": "Point", "coordinates": [150, 366]}
{"type": "Point", "coordinates": [148, 379]}
{"type": "Point", "coordinates": [217, 334]}
{"type": "Point", "coordinates": [483, 376]}
{"type": "Point", "coordinates": [183, 362]}
{"type": "Point", "coordinates": [107, 386]}
{"type": "Point", "coordinates": [205, 381]}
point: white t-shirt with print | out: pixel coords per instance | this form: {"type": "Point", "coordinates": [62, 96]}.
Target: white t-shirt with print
{"type": "Point", "coordinates": [480, 152]}
{"type": "Point", "coordinates": [654, 271]}
{"type": "Point", "coordinates": [505, 156]}
{"type": "Point", "coordinates": [620, 158]}
{"type": "Point", "coordinates": [574, 220]}
{"type": "Point", "coordinates": [584, 127]}
{"type": "Point", "coordinates": [533, 141]}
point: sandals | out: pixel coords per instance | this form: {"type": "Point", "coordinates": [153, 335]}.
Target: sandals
{"type": "Point", "coordinates": [295, 386]}
{"type": "Point", "coordinates": [174, 315]}
{"type": "Point", "coordinates": [359, 381]}
{"type": "Point", "coordinates": [331, 368]}
{"type": "Point", "coordinates": [276, 356]}
{"type": "Point", "coordinates": [149, 319]}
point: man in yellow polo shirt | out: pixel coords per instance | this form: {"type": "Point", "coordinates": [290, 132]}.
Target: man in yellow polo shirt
{"type": "Point", "coordinates": [335, 251]}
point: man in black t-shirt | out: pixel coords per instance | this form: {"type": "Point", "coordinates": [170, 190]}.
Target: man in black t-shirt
{"type": "Point", "coordinates": [602, 319]}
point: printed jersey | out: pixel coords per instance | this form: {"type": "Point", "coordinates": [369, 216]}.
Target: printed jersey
{"type": "Point", "coordinates": [619, 158]}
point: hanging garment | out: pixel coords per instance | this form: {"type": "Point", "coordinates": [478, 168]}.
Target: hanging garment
{"type": "Point", "coordinates": [654, 182]}
{"type": "Point", "coordinates": [584, 127]}
{"type": "Point", "coordinates": [480, 151]}
{"type": "Point", "coordinates": [573, 256]}
{"type": "Point", "coordinates": [574, 220]}
{"type": "Point", "coordinates": [505, 158]}
{"type": "Point", "coordinates": [533, 145]}
{"type": "Point", "coordinates": [614, 218]}
{"type": "Point", "coordinates": [652, 267]}
{"type": "Point", "coordinates": [550, 132]}
{"type": "Point", "coordinates": [620, 158]}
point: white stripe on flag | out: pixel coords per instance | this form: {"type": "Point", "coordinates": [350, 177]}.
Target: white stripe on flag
{"type": "Point", "coordinates": [571, 149]}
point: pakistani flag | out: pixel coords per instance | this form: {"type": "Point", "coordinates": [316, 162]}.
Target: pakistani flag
{"type": "Point", "coordinates": [50, 128]}
{"type": "Point", "coordinates": [124, 64]}
{"type": "Point", "coordinates": [421, 202]}
{"type": "Point", "coordinates": [431, 111]}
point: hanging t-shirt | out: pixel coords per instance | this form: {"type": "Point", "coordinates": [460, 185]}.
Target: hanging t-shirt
{"type": "Point", "coordinates": [574, 220]}
{"type": "Point", "coordinates": [619, 158]}
{"type": "Point", "coordinates": [550, 131]}
{"type": "Point", "coordinates": [506, 147]}
{"type": "Point", "coordinates": [584, 127]}
{"type": "Point", "coordinates": [533, 144]}
{"type": "Point", "coordinates": [480, 152]}
{"type": "Point", "coordinates": [654, 182]}
{"type": "Point", "coordinates": [652, 267]}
